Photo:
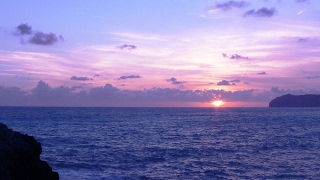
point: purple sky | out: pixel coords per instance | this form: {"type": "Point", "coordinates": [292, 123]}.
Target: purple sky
{"type": "Point", "coordinates": [157, 53]}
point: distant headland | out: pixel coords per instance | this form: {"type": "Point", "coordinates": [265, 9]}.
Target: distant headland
{"type": "Point", "coordinates": [308, 100]}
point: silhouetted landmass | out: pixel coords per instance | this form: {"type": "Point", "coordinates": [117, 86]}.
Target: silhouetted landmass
{"type": "Point", "coordinates": [20, 157]}
{"type": "Point", "coordinates": [309, 100]}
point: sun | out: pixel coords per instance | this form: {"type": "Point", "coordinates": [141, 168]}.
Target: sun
{"type": "Point", "coordinates": [217, 103]}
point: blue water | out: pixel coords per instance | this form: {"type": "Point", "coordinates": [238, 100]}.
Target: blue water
{"type": "Point", "coordinates": [174, 143]}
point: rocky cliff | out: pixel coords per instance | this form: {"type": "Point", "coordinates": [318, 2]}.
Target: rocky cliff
{"type": "Point", "coordinates": [309, 100]}
{"type": "Point", "coordinates": [20, 157]}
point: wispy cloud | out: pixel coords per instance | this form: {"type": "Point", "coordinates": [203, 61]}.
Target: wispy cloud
{"type": "Point", "coordinates": [80, 78]}
{"type": "Point", "coordinates": [302, 1]}
{"type": "Point", "coordinates": [261, 73]}
{"type": "Point", "coordinates": [313, 77]}
{"type": "Point", "coordinates": [228, 5]}
{"type": "Point", "coordinates": [225, 83]}
{"type": "Point", "coordinates": [300, 12]}
{"type": "Point", "coordinates": [124, 36]}
{"type": "Point", "coordinates": [263, 12]}
{"type": "Point", "coordinates": [175, 81]}
{"type": "Point", "coordinates": [235, 81]}
{"type": "Point", "coordinates": [127, 46]}
{"type": "Point", "coordinates": [302, 40]}
{"type": "Point", "coordinates": [234, 56]}
{"type": "Point", "coordinates": [129, 77]}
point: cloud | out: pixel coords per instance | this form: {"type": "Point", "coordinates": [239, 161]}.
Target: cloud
{"type": "Point", "coordinates": [277, 91]}
{"type": "Point", "coordinates": [261, 73]}
{"type": "Point", "coordinates": [96, 75]}
{"type": "Point", "coordinates": [73, 88]}
{"type": "Point", "coordinates": [129, 47]}
{"type": "Point", "coordinates": [224, 55]}
{"type": "Point", "coordinates": [263, 12]}
{"type": "Point", "coordinates": [45, 95]}
{"type": "Point", "coordinates": [41, 88]}
{"type": "Point", "coordinates": [313, 77]}
{"type": "Point", "coordinates": [235, 81]}
{"type": "Point", "coordinates": [41, 38]}
{"type": "Point", "coordinates": [224, 83]}
{"type": "Point", "coordinates": [237, 56]}
{"type": "Point", "coordinates": [229, 5]}
{"type": "Point", "coordinates": [311, 41]}
{"type": "Point", "coordinates": [24, 28]}
{"type": "Point", "coordinates": [175, 81]}
{"type": "Point", "coordinates": [38, 37]}
{"type": "Point", "coordinates": [75, 78]}
{"type": "Point", "coordinates": [234, 56]}
{"type": "Point", "coordinates": [12, 95]}
{"type": "Point", "coordinates": [302, 40]}
{"type": "Point", "coordinates": [302, 1]}
{"type": "Point", "coordinates": [129, 77]}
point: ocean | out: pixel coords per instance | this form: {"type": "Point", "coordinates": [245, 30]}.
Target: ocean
{"type": "Point", "coordinates": [174, 143]}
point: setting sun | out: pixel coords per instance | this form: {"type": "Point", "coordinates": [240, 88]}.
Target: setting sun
{"type": "Point", "coordinates": [217, 103]}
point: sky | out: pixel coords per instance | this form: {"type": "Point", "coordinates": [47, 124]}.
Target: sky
{"type": "Point", "coordinates": [168, 53]}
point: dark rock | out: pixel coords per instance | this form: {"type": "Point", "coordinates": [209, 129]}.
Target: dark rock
{"type": "Point", "coordinates": [20, 157]}
{"type": "Point", "coordinates": [309, 100]}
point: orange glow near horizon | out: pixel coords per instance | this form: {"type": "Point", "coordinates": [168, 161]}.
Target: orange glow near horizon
{"type": "Point", "coordinates": [217, 103]}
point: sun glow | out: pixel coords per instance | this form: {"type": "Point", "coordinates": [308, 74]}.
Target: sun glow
{"type": "Point", "coordinates": [217, 103]}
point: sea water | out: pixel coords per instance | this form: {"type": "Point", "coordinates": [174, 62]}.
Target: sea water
{"type": "Point", "coordinates": [174, 143]}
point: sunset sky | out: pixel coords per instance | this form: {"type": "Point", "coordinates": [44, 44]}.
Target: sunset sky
{"type": "Point", "coordinates": [157, 53]}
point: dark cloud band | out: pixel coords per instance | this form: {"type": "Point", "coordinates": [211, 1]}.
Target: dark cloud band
{"type": "Point", "coordinates": [108, 95]}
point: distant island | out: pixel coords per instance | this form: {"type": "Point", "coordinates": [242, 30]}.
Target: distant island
{"type": "Point", "coordinates": [308, 100]}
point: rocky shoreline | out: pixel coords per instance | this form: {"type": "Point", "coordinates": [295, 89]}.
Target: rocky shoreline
{"type": "Point", "coordinates": [20, 157]}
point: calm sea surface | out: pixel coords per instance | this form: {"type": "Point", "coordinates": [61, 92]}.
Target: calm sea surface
{"type": "Point", "coordinates": [174, 143]}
